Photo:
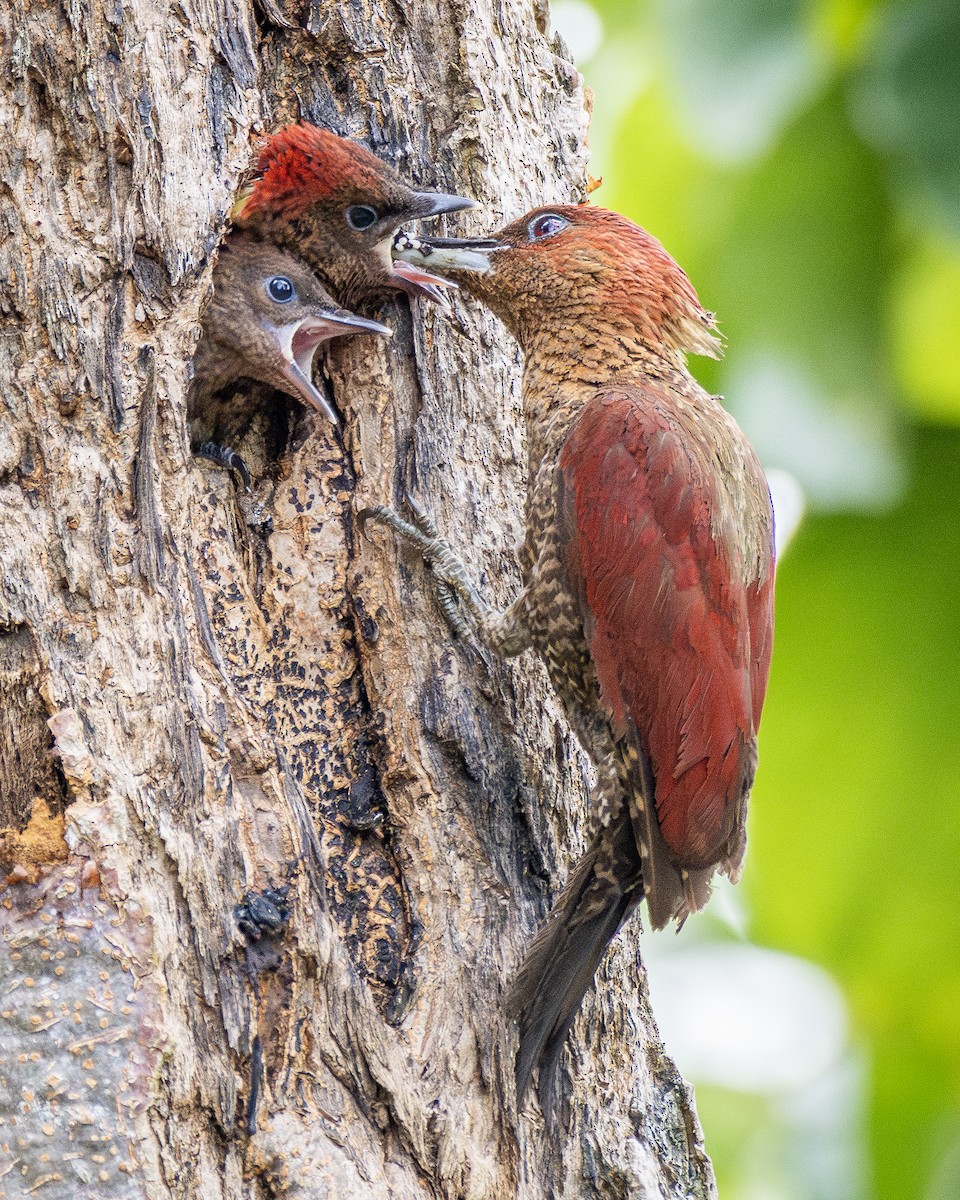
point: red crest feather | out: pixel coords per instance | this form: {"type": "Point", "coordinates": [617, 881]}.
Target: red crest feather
{"type": "Point", "coordinates": [301, 165]}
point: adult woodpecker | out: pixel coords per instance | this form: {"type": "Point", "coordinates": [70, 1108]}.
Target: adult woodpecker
{"type": "Point", "coordinates": [337, 206]}
{"type": "Point", "coordinates": [648, 568]}
{"type": "Point", "coordinates": [266, 319]}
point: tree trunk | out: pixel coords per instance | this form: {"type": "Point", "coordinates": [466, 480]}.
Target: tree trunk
{"type": "Point", "coordinates": [206, 692]}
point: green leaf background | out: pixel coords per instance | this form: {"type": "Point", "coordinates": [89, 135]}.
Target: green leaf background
{"type": "Point", "coordinates": [802, 163]}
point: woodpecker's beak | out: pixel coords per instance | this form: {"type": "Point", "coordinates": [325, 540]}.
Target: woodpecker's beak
{"type": "Point", "coordinates": [299, 343]}
{"type": "Point", "coordinates": [432, 204]}
{"type": "Point", "coordinates": [446, 254]}
{"type": "Point", "coordinates": [408, 276]}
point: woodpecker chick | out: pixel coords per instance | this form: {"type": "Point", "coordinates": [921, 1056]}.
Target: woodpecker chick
{"type": "Point", "coordinates": [265, 321]}
{"type": "Point", "coordinates": [648, 569]}
{"type": "Point", "coordinates": [336, 205]}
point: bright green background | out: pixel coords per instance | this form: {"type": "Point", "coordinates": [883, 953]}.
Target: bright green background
{"type": "Point", "coordinates": [802, 162]}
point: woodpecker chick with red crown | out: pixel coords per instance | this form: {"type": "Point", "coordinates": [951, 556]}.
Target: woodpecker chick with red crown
{"type": "Point", "coordinates": [265, 321]}
{"type": "Point", "coordinates": [648, 567]}
{"type": "Point", "coordinates": [337, 206]}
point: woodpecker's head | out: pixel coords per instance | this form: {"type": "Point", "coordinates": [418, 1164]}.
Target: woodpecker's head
{"type": "Point", "coordinates": [267, 316]}
{"type": "Point", "coordinates": [338, 206]}
{"type": "Point", "coordinates": [559, 269]}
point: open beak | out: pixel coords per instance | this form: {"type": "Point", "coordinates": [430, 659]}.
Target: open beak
{"type": "Point", "coordinates": [408, 276]}
{"type": "Point", "coordinates": [416, 282]}
{"type": "Point", "coordinates": [299, 343]}
{"type": "Point", "coordinates": [445, 254]}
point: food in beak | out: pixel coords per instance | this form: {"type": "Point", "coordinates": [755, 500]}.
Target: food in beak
{"type": "Point", "coordinates": [451, 254]}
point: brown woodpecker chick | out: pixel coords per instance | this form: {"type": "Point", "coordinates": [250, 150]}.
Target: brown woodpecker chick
{"type": "Point", "coordinates": [337, 206]}
{"type": "Point", "coordinates": [266, 319]}
{"type": "Point", "coordinates": [648, 567]}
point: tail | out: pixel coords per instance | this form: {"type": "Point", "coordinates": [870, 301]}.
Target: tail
{"type": "Point", "coordinates": [564, 956]}
{"type": "Point", "coordinates": [627, 863]}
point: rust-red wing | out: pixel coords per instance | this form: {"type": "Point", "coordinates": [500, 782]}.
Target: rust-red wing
{"type": "Point", "coordinates": [680, 643]}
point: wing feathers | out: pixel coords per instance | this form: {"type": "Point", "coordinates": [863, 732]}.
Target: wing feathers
{"type": "Point", "coordinates": [679, 635]}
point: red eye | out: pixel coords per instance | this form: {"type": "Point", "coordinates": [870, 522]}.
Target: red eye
{"type": "Point", "coordinates": [546, 225]}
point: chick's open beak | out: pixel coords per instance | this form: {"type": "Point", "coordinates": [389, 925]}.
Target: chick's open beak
{"type": "Point", "coordinates": [416, 282]}
{"type": "Point", "coordinates": [299, 343]}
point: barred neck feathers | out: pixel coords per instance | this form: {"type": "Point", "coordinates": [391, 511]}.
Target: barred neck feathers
{"type": "Point", "coordinates": [615, 298]}
{"type": "Point", "coordinates": [613, 308]}
{"type": "Point", "coordinates": [610, 347]}
{"type": "Point", "coordinates": [555, 389]}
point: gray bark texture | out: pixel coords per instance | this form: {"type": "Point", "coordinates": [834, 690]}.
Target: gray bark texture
{"type": "Point", "coordinates": [204, 692]}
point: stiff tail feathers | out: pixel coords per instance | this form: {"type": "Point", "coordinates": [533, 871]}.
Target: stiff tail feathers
{"type": "Point", "coordinates": [564, 956]}
{"type": "Point", "coordinates": [629, 861]}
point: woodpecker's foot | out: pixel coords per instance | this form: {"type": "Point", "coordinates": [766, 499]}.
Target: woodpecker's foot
{"type": "Point", "coordinates": [453, 584]}
{"type": "Point", "coordinates": [223, 456]}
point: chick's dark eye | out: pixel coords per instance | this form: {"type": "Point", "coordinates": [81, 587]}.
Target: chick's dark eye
{"type": "Point", "coordinates": [361, 216]}
{"type": "Point", "coordinates": [546, 225]}
{"type": "Point", "coordinates": [280, 288]}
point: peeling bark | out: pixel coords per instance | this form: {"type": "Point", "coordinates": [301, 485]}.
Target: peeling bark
{"type": "Point", "coordinates": [224, 693]}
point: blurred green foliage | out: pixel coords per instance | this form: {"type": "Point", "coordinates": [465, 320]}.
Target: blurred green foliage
{"type": "Point", "coordinates": [855, 823]}
{"type": "Point", "coordinates": [802, 162]}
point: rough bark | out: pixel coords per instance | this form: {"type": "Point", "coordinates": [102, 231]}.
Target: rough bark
{"type": "Point", "coordinates": [204, 692]}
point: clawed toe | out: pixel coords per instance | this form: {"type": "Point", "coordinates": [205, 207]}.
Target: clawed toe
{"type": "Point", "coordinates": [223, 456]}
{"type": "Point", "coordinates": [422, 519]}
{"type": "Point", "coordinates": [453, 586]}
{"type": "Point", "coordinates": [385, 515]}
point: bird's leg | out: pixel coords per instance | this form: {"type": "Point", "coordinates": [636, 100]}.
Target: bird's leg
{"type": "Point", "coordinates": [504, 632]}
{"type": "Point", "coordinates": [223, 456]}
{"type": "Point", "coordinates": [452, 581]}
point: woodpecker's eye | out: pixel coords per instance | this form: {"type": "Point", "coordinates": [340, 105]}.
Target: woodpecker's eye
{"type": "Point", "coordinates": [361, 216]}
{"type": "Point", "coordinates": [546, 225]}
{"type": "Point", "coordinates": [280, 288]}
